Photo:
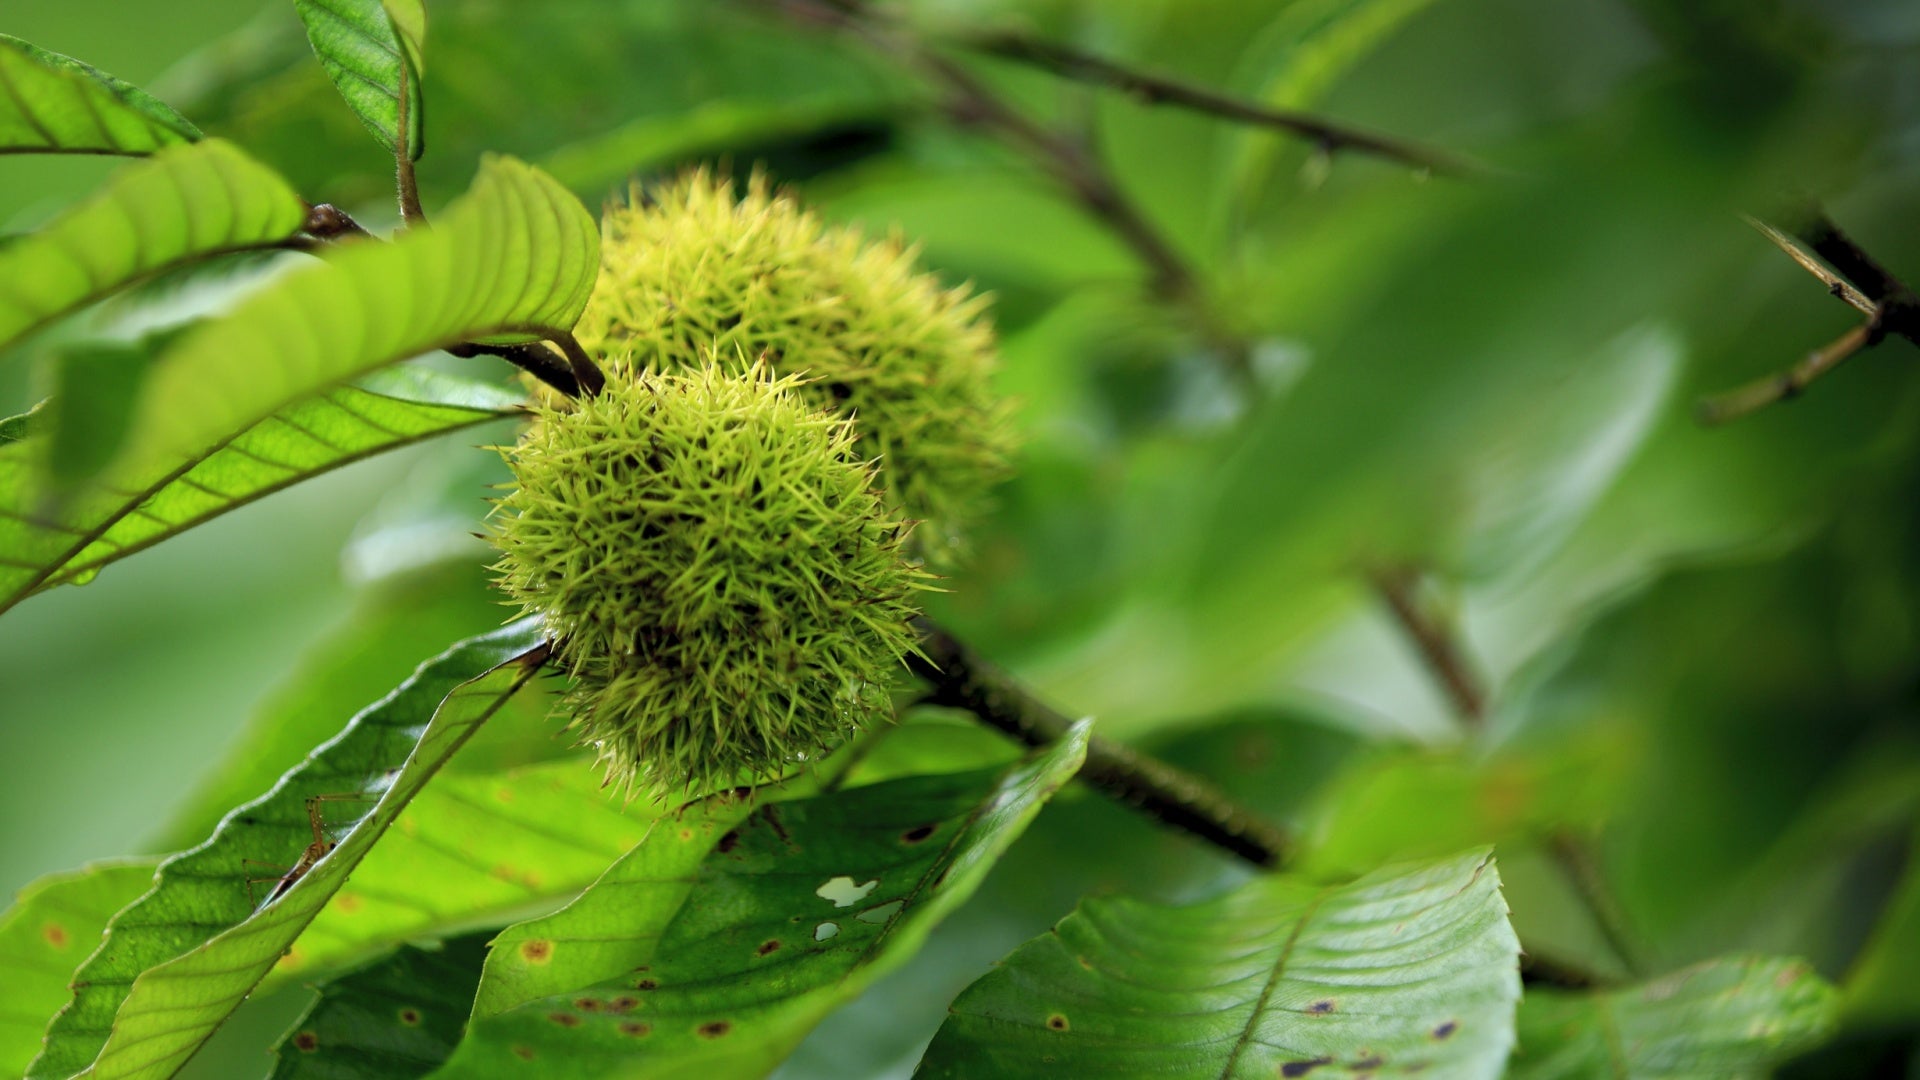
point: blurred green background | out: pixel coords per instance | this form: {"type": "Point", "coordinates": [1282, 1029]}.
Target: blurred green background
{"type": "Point", "coordinates": [1700, 641]}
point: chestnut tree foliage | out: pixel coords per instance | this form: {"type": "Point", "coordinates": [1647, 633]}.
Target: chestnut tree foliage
{"type": "Point", "coordinates": [1014, 539]}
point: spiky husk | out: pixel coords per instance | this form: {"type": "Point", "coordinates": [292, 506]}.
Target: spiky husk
{"type": "Point", "coordinates": [724, 584]}
{"type": "Point", "coordinates": [688, 265]}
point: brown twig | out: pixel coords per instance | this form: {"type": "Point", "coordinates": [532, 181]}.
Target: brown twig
{"type": "Point", "coordinates": [961, 680]}
{"type": "Point", "coordinates": [536, 360]}
{"type": "Point", "coordinates": [1152, 89]}
{"type": "Point", "coordinates": [1581, 864]}
{"type": "Point", "coordinates": [1440, 649]}
{"type": "Point", "coordinates": [1064, 159]}
{"type": "Point", "coordinates": [1399, 588]}
{"type": "Point", "coordinates": [586, 375]}
{"type": "Point", "coordinates": [1890, 306]}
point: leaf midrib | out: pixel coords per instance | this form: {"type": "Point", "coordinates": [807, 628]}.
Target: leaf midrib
{"type": "Point", "coordinates": [1273, 980]}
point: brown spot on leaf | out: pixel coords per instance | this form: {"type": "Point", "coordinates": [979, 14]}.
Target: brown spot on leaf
{"type": "Point", "coordinates": [587, 1004]}
{"type": "Point", "coordinates": [564, 1019]}
{"type": "Point", "coordinates": [56, 935]}
{"type": "Point", "coordinates": [1446, 1029]}
{"type": "Point", "coordinates": [306, 1042]}
{"type": "Point", "coordinates": [524, 1053]}
{"type": "Point", "coordinates": [686, 835]}
{"type": "Point", "coordinates": [1321, 1008]}
{"type": "Point", "coordinates": [646, 984]}
{"type": "Point", "coordinates": [1370, 1062]}
{"type": "Point", "coordinates": [536, 950]}
{"type": "Point", "coordinates": [410, 1017]}
{"type": "Point", "coordinates": [1302, 1068]}
{"type": "Point", "coordinates": [635, 1028]}
{"type": "Point", "coordinates": [713, 1029]}
{"type": "Point", "coordinates": [767, 948]}
{"type": "Point", "coordinates": [624, 1003]}
{"type": "Point", "coordinates": [1057, 1022]}
{"type": "Point", "coordinates": [348, 903]}
{"type": "Point", "coordinates": [772, 814]}
{"type": "Point", "coordinates": [916, 834]}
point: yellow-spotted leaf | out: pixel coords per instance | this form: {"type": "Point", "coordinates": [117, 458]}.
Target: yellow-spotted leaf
{"type": "Point", "coordinates": [43, 938]}
{"type": "Point", "coordinates": [178, 961]}
{"type": "Point", "coordinates": [1411, 970]}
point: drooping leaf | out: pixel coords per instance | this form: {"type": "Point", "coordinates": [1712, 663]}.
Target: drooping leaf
{"type": "Point", "coordinates": [42, 546]}
{"type": "Point", "coordinates": [397, 1017]}
{"type": "Point", "coordinates": [53, 104]}
{"type": "Point", "coordinates": [791, 914]}
{"type": "Point", "coordinates": [498, 844]}
{"type": "Point", "coordinates": [1727, 1018]}
{"type": "Point", "coordinates": [393, 620]}
{"type": "Point", "coordinates": [513, 260]}
{"type": "Point", "coordinates": [371, 49]}
{"type": "Point", "coordinates": [177, 961]}
{"type": "Point", "coordinates": [184, 204]}
{"type": "Point", "coordinates": [51, 927]}
{"type": "Point", "coordinates": [1411, 969]}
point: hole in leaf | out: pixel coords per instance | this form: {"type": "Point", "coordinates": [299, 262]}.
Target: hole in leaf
{"type": "Point", "coordinates": [825, 930]}
{"type": "Point", "coordinates": [882, 913]}
{"type": "Point", "coordinates": [843, 892]}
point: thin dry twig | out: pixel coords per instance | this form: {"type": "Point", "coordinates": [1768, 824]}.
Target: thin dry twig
{"type": "Point", "coordinates": [1150, 89]}
{"type": "Point", "coordinates": [1440, 649]}
{"type": "Point", "coordinates": [1399, 589]}
{"type": "Point", "coordinates": [1857, 279]}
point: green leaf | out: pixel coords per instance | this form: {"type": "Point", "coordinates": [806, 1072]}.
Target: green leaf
{"type": "Point", "coordinates": [791, 914]}
{"type": "Point", "coordinates": [53, 104]}
{"type": "Point", "coordinates": [179, 960]}
{"type": "Point", "coordinates": [184, 204]}
{"type": "Point", "coordinates": [514, 259]}
{"type": "Point", "coordinates": [498, 845]}
{"type": "Point", "coordinates": [1411, 968]}
{"type": "Point", "coordinates": [1726, 1018]}
{"type": "Point", "coordinates": [371, 49]}
{"type": "Point", "coordinates": [44, 936]}
{"type": "Point", "coordinates": [42, 546]}
{"type": "Point", "coordinates": [397, 1017]}
{"type": "Point", "coordinates": [13, 429]}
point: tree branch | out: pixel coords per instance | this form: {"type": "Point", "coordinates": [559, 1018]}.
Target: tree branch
{"type": "Point", "coordinates": [1439, 647]}
{"type": "Point", "coordinates": [970, 101]}
{"type": "Point", "coordinates": [961, 680]}
{"type": "Point", "coordinates": [1399, 588]}
{"type": "Point", "coordinates": [1151, 89]}
{"type": "Point", "coordinates": [536, 360]}
{"type": "Point", "coordinates": [1858, 279]}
